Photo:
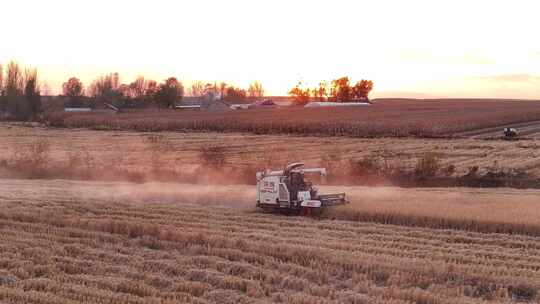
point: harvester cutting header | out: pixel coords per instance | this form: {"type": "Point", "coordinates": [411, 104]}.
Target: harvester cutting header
{"type": "Point", "coordinates": [288, 190]}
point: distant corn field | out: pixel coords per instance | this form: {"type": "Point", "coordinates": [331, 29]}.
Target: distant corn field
{"type": "Point", "coordinates": [387, 118]}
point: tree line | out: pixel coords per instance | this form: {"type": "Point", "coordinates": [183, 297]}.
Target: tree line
{"type": "Point", "coordinates": [146, 92]}
{"type": "Point", "coordinates": [107, 88]}
{"type": "Point", "coordinates": [338, 90]}
{"type": "Point", "coordinates": [20, 96]}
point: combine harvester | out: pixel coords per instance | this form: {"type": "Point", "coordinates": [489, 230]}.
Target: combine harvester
{"type": "Point", "coordinates": [288, 191]}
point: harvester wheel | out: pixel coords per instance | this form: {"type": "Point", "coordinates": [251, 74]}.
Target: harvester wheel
{"type": "Point", "coordinates": [305, 211]}
{"type": "Point", "coordinates": [316, 212]}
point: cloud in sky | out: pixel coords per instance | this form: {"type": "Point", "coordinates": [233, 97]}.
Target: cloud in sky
{"type": "Point", "coordinates": [511, 86]}
{"type": "Point", "coordinates": [513, 78]}
{"type": "Point", "coordinates": [465, 57]}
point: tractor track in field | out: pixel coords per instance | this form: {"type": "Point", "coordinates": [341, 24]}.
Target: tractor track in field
{"type": "Point", "coordinates": [524, 129]}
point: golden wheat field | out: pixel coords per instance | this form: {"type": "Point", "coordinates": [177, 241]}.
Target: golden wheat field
{"type": "Point", "coordinates": [98, 242]}
{"type": "Point", "coordinates": [103, 241]}
{"type": "Point", "coordinates": [180, 151]}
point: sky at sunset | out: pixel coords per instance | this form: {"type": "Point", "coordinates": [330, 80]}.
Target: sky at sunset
{"type": "Point", "coordinates": [409, 48]}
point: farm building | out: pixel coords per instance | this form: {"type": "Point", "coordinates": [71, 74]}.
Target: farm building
{"type": "Point", "coordinates": [317, 104]}
{"type": "Point", "coordinates": [241, 106]}
{"type": "Point", "coordinates": [188, 107]}
{"type": "Point", "coordinates": [238, 104]}
{"type": "Point", "coordinates": [197, 103]}
{"type": "Point", "coordinates": [257, 104]}
{"type": "Point", "coordinates": [218, 105]}
{"type": "Point", "coordinates": [76, 110]}
{"type": "Point", "coordinates": [202, 103]}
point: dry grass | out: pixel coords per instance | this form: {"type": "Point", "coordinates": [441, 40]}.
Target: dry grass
{"type": "Point", "coordinates": [395, 118]}
{"type": "Point", "coordinates": [74, 242]}
{"type": "Point", "coordinates": [495, 210]}
{"type": "Point", "coordinates": [142, 153]}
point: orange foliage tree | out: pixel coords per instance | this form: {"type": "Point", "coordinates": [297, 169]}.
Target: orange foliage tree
{"type": "Point", "coordinates": [320, 93]}
{"type": "Point", "coordinates": [341, 90]}
{"type": "Point", "coordinates": [300, 95]}
{"type": "Point", "coordinates": [361, 89]}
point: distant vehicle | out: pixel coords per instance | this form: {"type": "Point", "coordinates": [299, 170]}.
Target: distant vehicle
{"type": "Point", "coordinates": [510, 133]}
{"type": "Point", "coordinates": [262, 104]}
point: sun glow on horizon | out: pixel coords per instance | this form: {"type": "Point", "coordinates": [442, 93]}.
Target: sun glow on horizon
{"type": "Point", "coordinates": [417, 48]}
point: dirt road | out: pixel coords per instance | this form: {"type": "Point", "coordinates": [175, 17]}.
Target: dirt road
{"type": "Point", "coordinates": [526, 130]}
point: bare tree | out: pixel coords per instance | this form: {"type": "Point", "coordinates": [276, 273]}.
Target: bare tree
{"type": "Point", "coordinates": [1, 81]}
{"type": "Point", "coordinates": [45, 89]}
{"type": "Point", "coordinates": [115, 80]}
{"type": "Point", "coordinates": [197, 89]}
{"type": "Point", "coordinates": [211, 91]}
{"type": "Point", "coordinates": [222, 90]}
{"type": "Point", "coordinates": [151, 89]}
{"type": "Point", "coordinates": [124, 90]}
{"type": "Point", "coordinates": [138, 88]}
{"type": "Point", "coordinates": [2, 102]}
{"type": "Point", "coordinates": [255, 89]}
{"type": "Point", "coordinates": [31, 92]}
{"type": "Point", "coordinates": [14, 89]}
{"type": "Point", "coordinates": [138, 93]}
{"type": "Point", "coordinates": [21, 96]}
{"type": "Point", "coordinates": [106, 87]}
{"type": "Point", "coordinates": [14, 80]}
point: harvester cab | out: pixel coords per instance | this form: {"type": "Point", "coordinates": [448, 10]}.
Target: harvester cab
{"type": "Point", "coordinates": [289, 190]}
